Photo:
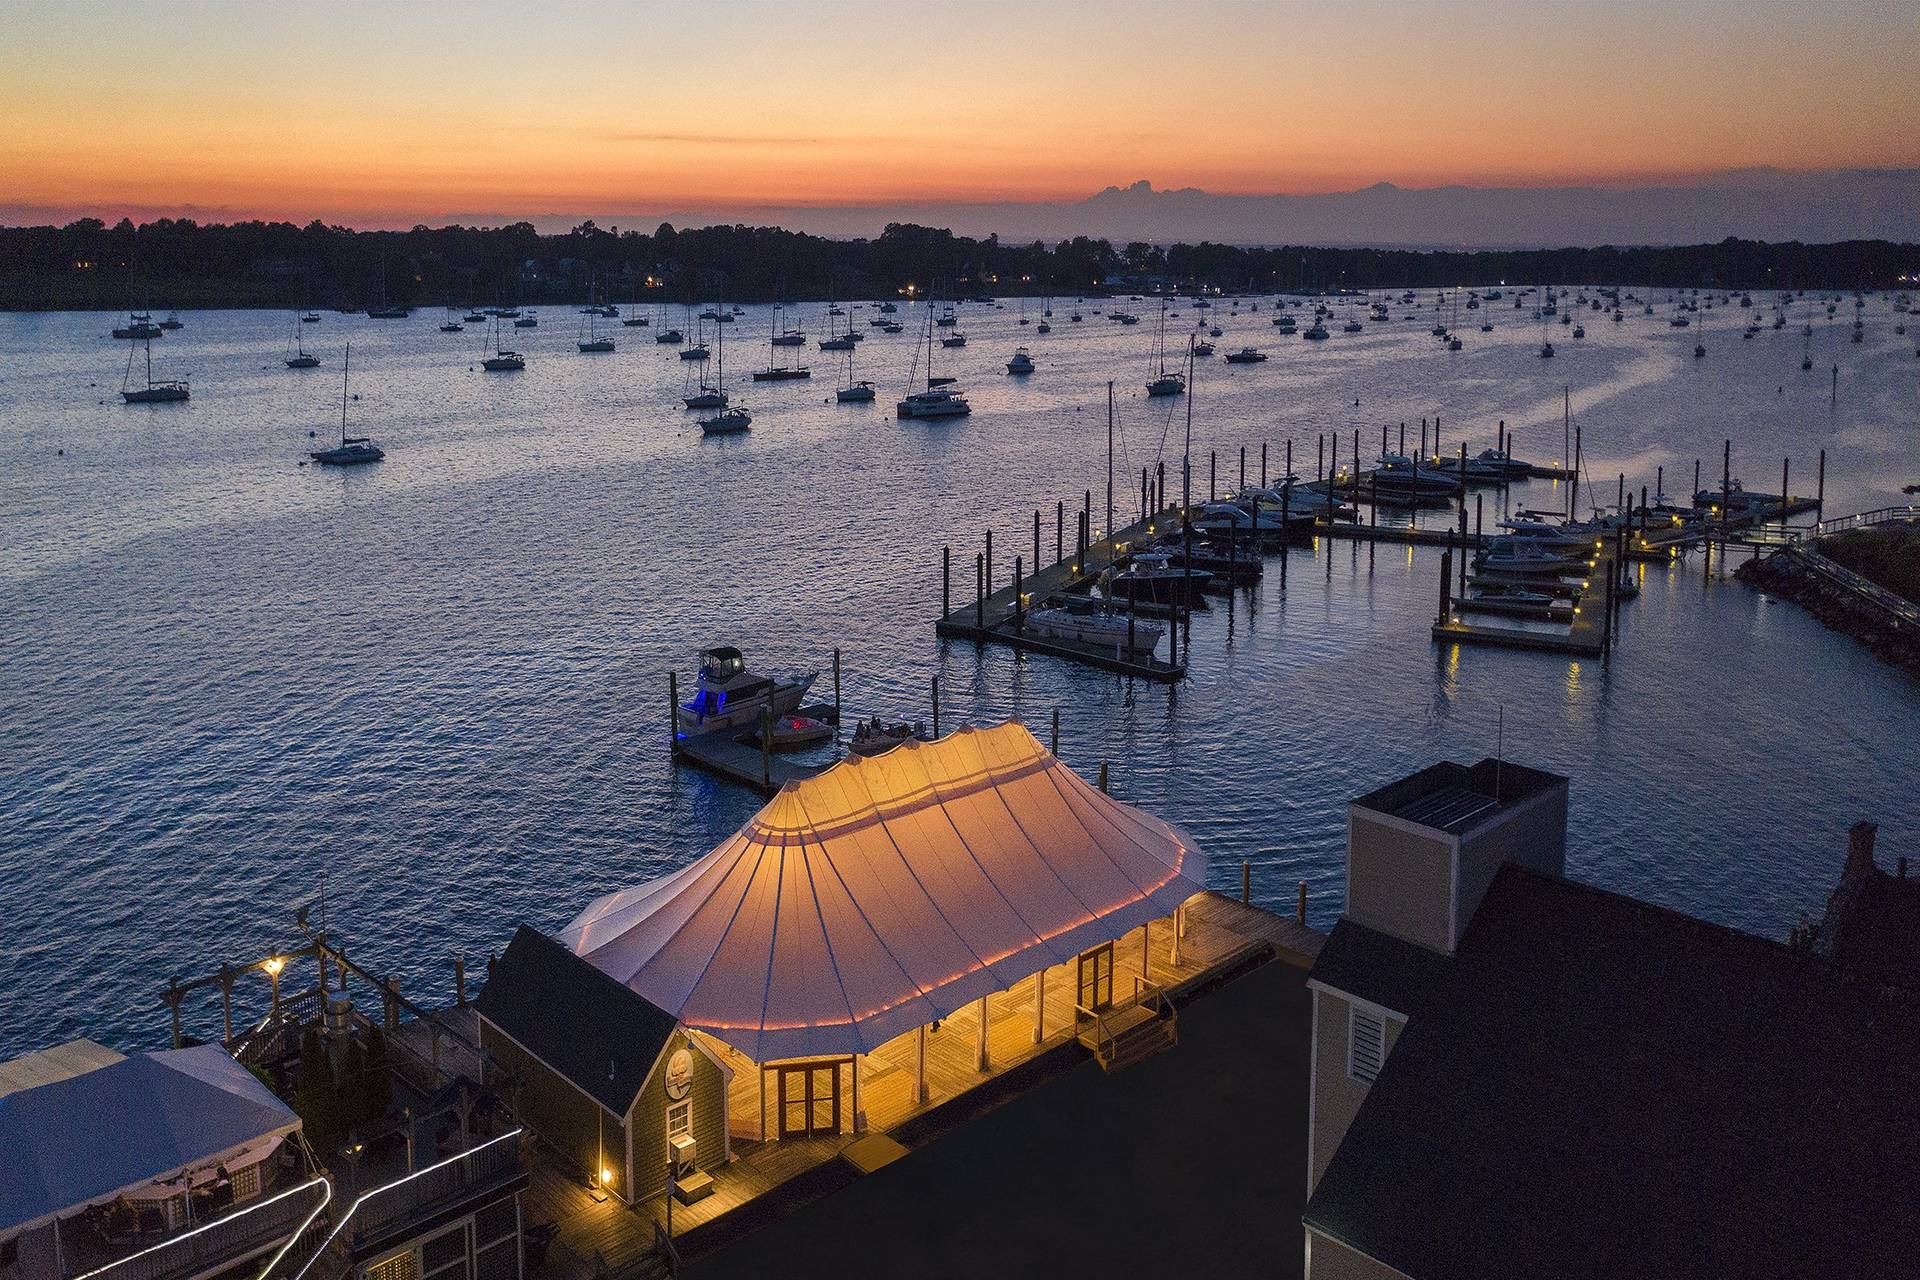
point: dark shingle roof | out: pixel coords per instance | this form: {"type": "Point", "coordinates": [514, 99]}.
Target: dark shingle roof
{"type": "Point", "coordinates": [1878, 934]}
{"type": "Point", "coordinates": [1377, 967]}
{"type": "Point", "coordinates": [1605, 1088]}
{"type": "Point", "coordinates": [591, 1029]}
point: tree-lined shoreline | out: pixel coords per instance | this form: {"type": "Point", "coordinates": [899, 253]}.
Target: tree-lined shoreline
{"type": "Point", "coordinates": [87, 265]}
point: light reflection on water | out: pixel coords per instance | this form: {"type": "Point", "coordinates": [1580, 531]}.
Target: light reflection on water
{"type": "Point", "coordinates": [442, 681]}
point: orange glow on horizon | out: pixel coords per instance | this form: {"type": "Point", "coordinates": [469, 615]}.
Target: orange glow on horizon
{"type": "Point", "coordinates": [383, 115]}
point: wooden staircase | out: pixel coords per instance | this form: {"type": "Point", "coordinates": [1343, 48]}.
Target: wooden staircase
{"type": "Point", "coordinates": [1132, 1031]}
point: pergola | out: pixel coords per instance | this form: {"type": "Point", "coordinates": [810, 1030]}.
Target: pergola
{"type": "Point", "coordinates": [890, 892]}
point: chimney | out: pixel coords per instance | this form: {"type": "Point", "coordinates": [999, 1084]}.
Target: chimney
{"type": "Point", "coordinates": [1860, 848]}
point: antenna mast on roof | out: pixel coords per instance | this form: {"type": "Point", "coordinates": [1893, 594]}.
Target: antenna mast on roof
{"type": "Point", "coordinates": [1500, 751]}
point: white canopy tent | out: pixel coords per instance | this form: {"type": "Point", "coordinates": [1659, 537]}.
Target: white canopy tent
{"type": "Point", "coordinates": [888, 892]}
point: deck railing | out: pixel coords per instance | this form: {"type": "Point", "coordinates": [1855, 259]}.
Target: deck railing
{"type": "Point", "coordinates": [237, 1235]}
{"type": "Point", "coordinates": [1880, 515]}
{"type": "Point", "coordinates": [413, 1195]}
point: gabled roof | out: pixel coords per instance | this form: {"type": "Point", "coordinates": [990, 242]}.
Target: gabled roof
{"type": "Point", "coordinates": [590, 1029]}
{"type": "Point", "coordinates": [86, 1139]}
{"type": "Point", "coordinates": [1603, 1088]}
{"type": "Point", "coordinates": [888, 892]}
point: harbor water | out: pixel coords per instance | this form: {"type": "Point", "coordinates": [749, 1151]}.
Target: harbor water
{"type": "Point", "coordinates": [435, 689]}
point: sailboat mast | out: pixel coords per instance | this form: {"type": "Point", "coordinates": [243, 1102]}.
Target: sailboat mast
{"type": "Point", "coordinates": [1109, 473]}
{"type": "Point", "coordinates": [345, 360]}
{"type": "Point", "coordinates": [1186, 463]}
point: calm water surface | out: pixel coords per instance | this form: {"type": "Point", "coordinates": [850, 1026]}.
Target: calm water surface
{"type": "Point", "coordinates": [439, 684]}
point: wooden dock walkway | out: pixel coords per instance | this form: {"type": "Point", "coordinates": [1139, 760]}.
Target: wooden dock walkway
{"type": "Point", "coordinates": [990, 619]}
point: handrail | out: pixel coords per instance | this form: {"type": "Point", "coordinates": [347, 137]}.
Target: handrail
{"type": "Point", "coordinates": [1879, 515]}
{"type": "Point", "coordinates": [665, 1249]}
{"type": "Point", "coordinates": [347, 1218]}
{"type": "Point", "coordinates": [220, 1231]}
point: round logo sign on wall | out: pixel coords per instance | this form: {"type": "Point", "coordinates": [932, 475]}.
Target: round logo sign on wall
{"type": "Point", "coordinates": [679, 1074]}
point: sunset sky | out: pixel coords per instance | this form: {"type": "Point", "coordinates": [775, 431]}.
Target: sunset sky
{"type": "Point", "coordinates": [381, 114]}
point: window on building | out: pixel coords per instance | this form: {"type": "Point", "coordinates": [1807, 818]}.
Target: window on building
{"type": "Point", "coordinates": [246, 1182]}
{"type": "Point", "coordinates": [401, 1266]}
{"type": "Point", "coordinates": [679, 1118]}
{"type": "Point", "coordinates": [1366, 1044]}
{"type": "Point", "coordinates": [445, 1256]}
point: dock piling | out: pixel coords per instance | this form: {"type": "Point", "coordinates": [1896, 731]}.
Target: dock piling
{"type": "Point", "coordinates": [979, 592]}
{"type": "Point", "coordinates": [1263, 464]}
{"type": "Point", "coordinates": [836, 686]}
{"type": "Point", "coordinates": [1103, 777]}
{"type": "Point", "coordinates": [1300, 907]}
{"type": "Point", "coordinates": [989, 563]}
{"type": "Point", "coordinates": [946, 580]}
{"type": "Point", "coordinates": [1246, 881]}
{"type": "Point", "coordinates": [1054, 745]}
{"type": "Point", "coordinates": [766, 747]}
{"type": "Point", "coordinates": [1019, 614]}
{"type": "Point", "coordinates": [1446, 584]}
{"type": "Point", "coordinates": [1035, 562]}
{"type": "Point", "coordinates": [1059, 531]}
{"type": "Point", "coordinates": [673, 706]}
{"type": "Point", "coordinates": [1820, 490]}
{"type": "Point", "coordinates": [933, 691]}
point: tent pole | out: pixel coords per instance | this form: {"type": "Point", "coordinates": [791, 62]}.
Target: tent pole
{"type": "Point", "coordinates": [1145, 973]}
{"type": "Point", "coordinates": [980, 1038]}
{"type": "Point", "coordinates": [920, 1069]}
{"type": "Point", "coordinates": [1179, 922]}
{"type": "Point", "coordinates": [1039, 1006]}
{"type": "Point", "coordinates": [859, 1116]}
{"type": "Point", "coordinates": [763, 1101]}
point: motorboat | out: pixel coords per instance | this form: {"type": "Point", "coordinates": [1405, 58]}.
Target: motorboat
{"type": "Point", "coordinates": [352, 451]}
{"type": "Point", "coordinates": [173, 321]}
{"type": "Point", "coordinates": [728, 696]}
{"type": "Point", "coordinates": [1286, 323]}
{"type": "Point", "coordinates": [1489, 460]}
{"type": "Point", "coordinates": [1526, 557]}
{"type": "Point", "coordinates": [876, 736]}
{"type": "Point", "coordinates": [1352, 326]}
{"type": "Point", "coordinates": [1153, 578]}
{"type": "Point", "coordinates": [934, 402]}
{"type": "Point", "coordinates": [313, 317]}
{"type": "Point", "coordinates": [1022, 362]}
{"type": "Point", "coordinates": [1249, 520]}
{"type": "Point", "coordinates": [1290, 498]}
{"type": "Point", "coordinates": [139, 327]}
{"type": "Point", "coordinates": [1546, 351]}
{"type": "Point", "coordinates": [845, 342]}
{"type": "Point", "coordinates": [1317, 333]}
{"type": "Point", "coordinates": [1203, 347]}
{"type": "Point", "coordinates": [797, 733]}
{"type": "Point", "coordinates": [1402, 477]}
{"type": "Point", "coordinates": [1246, 355]}
{"type": "Point", "coordinates": [1116, 631]}
{"type": "Point", "coordinates": [527, 321]}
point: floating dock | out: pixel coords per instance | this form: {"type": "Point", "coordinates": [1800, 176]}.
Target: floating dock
{"type": "Point", "coordinates": [743, 760]}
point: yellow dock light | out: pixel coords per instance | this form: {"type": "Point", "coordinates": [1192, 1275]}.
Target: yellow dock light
{"type": "Point", "coordinates": [606, 1177]}
{"type": "Point", "coordinates": [275, 964]}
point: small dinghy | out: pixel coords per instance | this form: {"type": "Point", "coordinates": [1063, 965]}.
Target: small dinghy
{"type": "Point", "coordinates": [871, 737]}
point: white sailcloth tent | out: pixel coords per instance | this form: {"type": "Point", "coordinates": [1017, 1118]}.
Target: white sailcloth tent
{"type": "Point", "coordinates": [888, 892]}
